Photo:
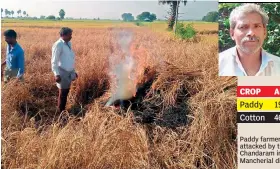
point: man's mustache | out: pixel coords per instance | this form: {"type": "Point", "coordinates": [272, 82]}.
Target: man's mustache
{"type": "Point", "coordinates": [251, 38]}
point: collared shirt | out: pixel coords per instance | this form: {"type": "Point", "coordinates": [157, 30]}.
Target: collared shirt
{"type": "Point", "coordinates": [15, 58]}
{"type": "Point", "coordinates": [62, 56]}
{"type": "Point", "coordinates": [230, 65]}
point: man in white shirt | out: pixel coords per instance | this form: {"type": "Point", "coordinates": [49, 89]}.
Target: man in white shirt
{"type": "Point", "coordinates": [248, 30]}
{"type": "Point", "coordinates": [63, 62]}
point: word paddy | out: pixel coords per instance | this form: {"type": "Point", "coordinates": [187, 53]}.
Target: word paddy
{"type": "Point", "coordinates": [251, 104]}
{"type": "Point", "coordinates": [258, 104]}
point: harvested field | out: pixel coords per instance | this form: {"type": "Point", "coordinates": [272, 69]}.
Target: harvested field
{"type": "Point", "coordinates": [183, 117]}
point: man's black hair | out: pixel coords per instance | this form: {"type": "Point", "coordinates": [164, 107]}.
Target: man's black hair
{"type": "Point", "coordinates": [65, 31]}
{"type": "Point", "coordinates": [10, 33]}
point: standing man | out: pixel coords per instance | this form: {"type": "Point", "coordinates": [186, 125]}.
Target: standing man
{"type": "Point", "coordinates": [63, 62]}
{"type": "Point", "coordinates": [14, 57]}
{"type": "Point", "coordinates": [248, 24]}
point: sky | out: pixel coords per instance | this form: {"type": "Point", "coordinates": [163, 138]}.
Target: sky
{"type": "Point", "coordinates": [107, 9]}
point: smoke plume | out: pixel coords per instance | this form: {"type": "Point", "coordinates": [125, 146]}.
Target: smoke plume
{"type": "Point", "coordinates": [123, 74]}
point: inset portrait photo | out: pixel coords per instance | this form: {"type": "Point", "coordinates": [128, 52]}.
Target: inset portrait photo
{"type": "Point", "coordinates": [249, 39]}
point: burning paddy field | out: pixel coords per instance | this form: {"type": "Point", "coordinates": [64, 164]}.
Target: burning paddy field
{"type": "Point", "coordinates": [143, 99]}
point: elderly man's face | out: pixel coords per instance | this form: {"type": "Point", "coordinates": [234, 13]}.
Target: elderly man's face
{"type": "Point", "coordinates": [249, 33]}
{"type": "Point", "coordinates": [67, 37]}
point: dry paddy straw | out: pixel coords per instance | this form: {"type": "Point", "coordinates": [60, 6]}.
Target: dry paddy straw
{"type": "Point", "coordinates": [186, 83]}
